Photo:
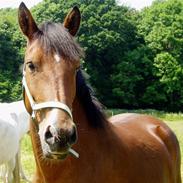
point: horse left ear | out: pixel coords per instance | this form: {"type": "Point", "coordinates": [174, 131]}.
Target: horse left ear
{"type": "Point", "coordinates": [26, 22]}
{"type": "Point", "coordinates": [72, 21]}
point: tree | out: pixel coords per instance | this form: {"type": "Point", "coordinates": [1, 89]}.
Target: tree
{"type": "Point", "coordinates": [162, 29]}
{"type": "Point", "coordinates": [134, 59]}
{"type": "Point", "coordinates": [10, 57]}
{"type": "Point", "coordinates": [106, 33]}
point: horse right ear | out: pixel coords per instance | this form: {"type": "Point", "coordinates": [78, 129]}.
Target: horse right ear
{"type": "Point", "coordinates": [26, 22]}
{"type": "Point", "coordinates": [72, 21]}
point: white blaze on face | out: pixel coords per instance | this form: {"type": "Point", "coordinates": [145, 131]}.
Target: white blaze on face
{"type": "Point", "coordinates": [49, 121]}
{"type": "Point", "coordinates": [52, 119]}
{"type": "Point", "coordinates": [53, 116]}
{"type": "Point", "coordinates": [57, 58]}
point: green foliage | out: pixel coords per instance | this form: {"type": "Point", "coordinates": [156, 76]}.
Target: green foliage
{"type": "Point", "coordinates": [134, 59]}
{"type": "Point", "coordinates": [132, 76]}
{"type": "Point", "coordinates": [106, 33]}
{"type": "Point", "coordinates": [10, 57]}
{"type": "Point", "coordinates": [162, 29]}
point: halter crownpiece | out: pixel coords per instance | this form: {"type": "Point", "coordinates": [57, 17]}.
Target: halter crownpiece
{"type": "Point", "coordinates": [43, 105]}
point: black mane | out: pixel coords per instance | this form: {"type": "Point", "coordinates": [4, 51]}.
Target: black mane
{"type": "Point", "coordinates": [92, 107]}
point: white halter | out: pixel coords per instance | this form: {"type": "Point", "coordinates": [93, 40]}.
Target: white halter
{"type": "Point", "coordinates": [49, 104]}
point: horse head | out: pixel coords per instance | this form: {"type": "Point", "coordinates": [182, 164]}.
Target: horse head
{"type": "Point", "coordinates": [51, 63]}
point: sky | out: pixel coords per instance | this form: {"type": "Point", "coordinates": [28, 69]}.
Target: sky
{"type": "Point", "coordinates": [15, 3]}
{"type": "Point", "coordinates": [138, 4]}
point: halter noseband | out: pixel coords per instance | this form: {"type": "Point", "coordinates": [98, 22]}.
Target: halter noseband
{"type": "Point", "coordinates": [43, 105]}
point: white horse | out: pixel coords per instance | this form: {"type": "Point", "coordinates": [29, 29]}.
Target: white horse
{"type": "Point", "coordinates": [14, 123]}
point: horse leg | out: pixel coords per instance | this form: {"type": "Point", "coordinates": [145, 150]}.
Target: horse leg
{"type": "Point", "coordinates": [13, 171]}
{"type": "Point", "coordinates": [16, 173]}
{"type": "Point", "coordinates": [9, 171]}
{"type": "Point", "coordinates": [1, 172]}
{"type": "Point", "coordinates": [3, 169]}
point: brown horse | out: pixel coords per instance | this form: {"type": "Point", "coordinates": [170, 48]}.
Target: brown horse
{"type": "Point", "coordinates": [127, 148]}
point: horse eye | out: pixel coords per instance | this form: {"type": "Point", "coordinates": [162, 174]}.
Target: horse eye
{"type": "Point", "coordinates": [31, 66]}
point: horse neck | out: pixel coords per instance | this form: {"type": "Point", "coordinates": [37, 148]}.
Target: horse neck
{"type": "Point", "coordinates": [23, 123]}
{"type": "Point", "coordinates": [85, 129]}
{"type": "Point", "coordinates": [20, 117]}
{"type": "Point", "coordinates": [88, 137]}
{"type": "Point", "coordinates": [83, 124]}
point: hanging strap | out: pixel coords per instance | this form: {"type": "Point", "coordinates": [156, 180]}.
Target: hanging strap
{"type": "Point", "coordinates": [43, 105]}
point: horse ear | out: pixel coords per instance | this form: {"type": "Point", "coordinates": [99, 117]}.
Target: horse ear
{"type": "Point", "coordinates": [26, 21]}
{"type": "Point", "coordinates": [72, 21]}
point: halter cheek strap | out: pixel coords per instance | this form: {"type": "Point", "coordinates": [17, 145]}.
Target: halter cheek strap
{"type": "Point", "coordinates": [49, 104]}
{"type": "Point", "coordinates": [43, 105]}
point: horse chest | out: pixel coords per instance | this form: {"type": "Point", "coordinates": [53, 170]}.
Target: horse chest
{"type": "Point", "coordinates": [96, 170]}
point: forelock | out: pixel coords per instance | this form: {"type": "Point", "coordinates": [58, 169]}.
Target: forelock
{"type": "Point", "coordinates": [54, 37]}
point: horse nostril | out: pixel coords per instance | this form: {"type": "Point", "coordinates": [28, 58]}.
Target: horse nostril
{"type": "Point", "coordinates": [57, 138]}
{"type": "Point", "coordinates": [48, 135]}
{"type": "Point", "coordinates": [73, 136]}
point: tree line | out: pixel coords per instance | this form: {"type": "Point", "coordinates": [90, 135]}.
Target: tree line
{"type": "Point", "coordinates": [134, 59]}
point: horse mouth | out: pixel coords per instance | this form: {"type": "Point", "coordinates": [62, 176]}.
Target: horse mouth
{"type": "Point", "coordinates": [62, 155]}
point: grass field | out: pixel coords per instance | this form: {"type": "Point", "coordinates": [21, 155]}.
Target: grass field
{"type": "Point", "coordinates": [174, 121]}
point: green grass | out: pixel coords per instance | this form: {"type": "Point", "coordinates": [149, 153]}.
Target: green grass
{"type": "Point", "coordinates": [177, 127]}
{"type": "Point", "coordinates": [174, 121]}
{"type": "Point", "coordinates": [27, 157]}
{"type": "Point", "coordinates": [159, 114]}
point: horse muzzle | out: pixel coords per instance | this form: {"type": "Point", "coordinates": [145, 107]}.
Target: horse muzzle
{"type": "Point", "coordinates": [60, 141]}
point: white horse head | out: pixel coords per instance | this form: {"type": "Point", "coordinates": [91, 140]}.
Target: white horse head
{"type": "Point", "coordinates": [20, 116]}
